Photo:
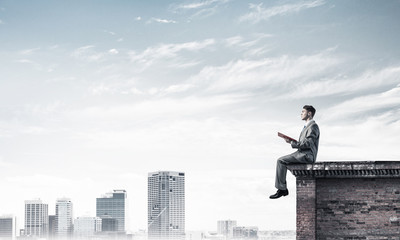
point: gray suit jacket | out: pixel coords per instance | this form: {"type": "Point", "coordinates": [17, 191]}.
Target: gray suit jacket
{"type": "Point", "coordinates": [307, 146]}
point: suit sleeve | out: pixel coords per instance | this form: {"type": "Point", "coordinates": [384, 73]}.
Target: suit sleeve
{"type": "Point", "coordinates": [309, 140]}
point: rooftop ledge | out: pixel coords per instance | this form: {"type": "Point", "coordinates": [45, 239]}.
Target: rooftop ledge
{"type": "Point", "coordinates": [350, 169]}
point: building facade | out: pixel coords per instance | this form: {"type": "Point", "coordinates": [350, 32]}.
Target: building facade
{"type": "Point", "coordinates": [36, 218]}
{"type": "Point", "coordinates": [64, 218]}
{"type": "Point", "coordinates": [347, 200]}
{"type": "Point", "coordinates": [52, 227]}
{"type": "Point", "coordinates": [7, 227]}
{"type": "Point", "coordinates": [245, 233]}
{"type": "Point", "coordinates": [113, 205]}
{"type": "Point", "coordinates": [225, 228]}
{"type": "Point", "coordinates": [86, 227]}
{"type": "Point", "coordinates": [166, 205]}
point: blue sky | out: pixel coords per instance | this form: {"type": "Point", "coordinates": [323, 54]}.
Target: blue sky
{"type": "Point", "coordinates": [96, 94]}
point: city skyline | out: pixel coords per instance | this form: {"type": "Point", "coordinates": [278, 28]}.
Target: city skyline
{"type": "Point", "coordinates": [96, 94]}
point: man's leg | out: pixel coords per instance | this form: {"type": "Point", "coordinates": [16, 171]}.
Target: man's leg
{"type": "Point", "coordinates": [281, 169]}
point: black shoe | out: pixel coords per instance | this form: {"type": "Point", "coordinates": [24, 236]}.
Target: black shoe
{"type": "Point", "coordinates": [279, 194]}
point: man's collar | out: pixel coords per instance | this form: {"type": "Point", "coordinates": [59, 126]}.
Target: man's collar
{"type": "Point", "coordinates": [309, 122]}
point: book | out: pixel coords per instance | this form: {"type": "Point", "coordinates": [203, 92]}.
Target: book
{"type": "Point", "coordinates": [286, 137]}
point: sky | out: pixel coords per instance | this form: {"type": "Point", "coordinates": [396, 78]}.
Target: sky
{"type": "Point", "coordinates": [94, 95]}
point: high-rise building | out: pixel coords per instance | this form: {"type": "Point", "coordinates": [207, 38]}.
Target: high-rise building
{"type": "Point", "coordinates": [225, 228]}
{"type": "Point", "coordinates": [52, 226]}
{"type": "Point", "coordinates": [7, 227]}
{"type": "Point", "coordinates": [64, 218]}
{"type": "Point", "coordinates": [86, 227]}
{"type": "Point", "coordinates": [166, 205]}
{"type": "Point", "coordinates": [36, 218]}
{"type": "Point", "coordinates": [113, 205]}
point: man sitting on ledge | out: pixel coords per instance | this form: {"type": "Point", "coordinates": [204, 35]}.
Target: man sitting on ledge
{"type": "Point", "coordinates": [307, 148]}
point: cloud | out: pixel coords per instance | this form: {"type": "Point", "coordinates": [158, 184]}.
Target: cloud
{"type": "Point", "coordinates": [202, 4]}
{"type": "Point", "coordinates": [345, 85]}
{"type": "Point", "coordinates": [87, 53]}
{"type": "Point", "coordinates": [246, 75]}
{"type": "Point", "coordinates": [203, 8]}
{"type": "Point", "coordinates": [159, 20]}
{"type": "Point", "coordinates": [167, 51]}
{"type": "Point", "coordinates": [109, 32]}
{"type": "Point", "coordinates": [113, 51]}
{"type": "Point", "coordinates": [259, 13]}
{"type": "Point", "coordinates": [365, 105]}
{"type": "Point", "coordinates": [29, 51]}
{"type": "Point", "coordinates": [1, 22]}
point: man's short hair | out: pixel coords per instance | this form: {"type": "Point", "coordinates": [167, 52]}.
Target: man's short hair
{"type": "Point", "coordinates": [311, 109]}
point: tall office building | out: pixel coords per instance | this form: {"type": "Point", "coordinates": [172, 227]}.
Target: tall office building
{"type": "Point", "coordinates": [36, 218]}
{"type": "Point", "coordinates": [86, 227]}
{"type": "Point", "coordinates": [52, 226]}
{"type": "Point", "coordinates": [64, 217]}
{"type": "Point", "coordinates": [7, 227]}
{"type": "Point", "coordinates": [113, 205]}
{"type": "Point", "coordinates": [166, 205]}
{"type": "Point", "coordinates": [225, 228]}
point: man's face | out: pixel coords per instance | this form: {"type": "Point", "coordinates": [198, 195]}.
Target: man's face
{"type": "Point", "coordinates": [305, 114]}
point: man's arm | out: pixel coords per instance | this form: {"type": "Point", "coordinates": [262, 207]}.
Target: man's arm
{"type": "Point", "coordinates": [311, 137]}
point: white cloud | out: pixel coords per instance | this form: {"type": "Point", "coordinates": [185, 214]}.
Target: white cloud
{"type": "Point", "coordinates": [202, 8]}
{"type": "Point", "coordinates": [364, 105]}
{"type": "Point", "coordinates": [159, 20]}
{"type": "Point", "coordinates": [268, 72]}
{"type": "Point", "coordinates": [202, 4]}
{"type": "Point", "coordinates": [344, 85]}
{"type": "Point", "coordinates": [113, 51]}
{"type": "Point", "coordinates": [167, 51]}
{"type": "Point", "coordinates": [109, 32]}
{"type": "Point", "coordinates": [178, 88]}
{"type": "Point", "coordinates": [29, 51]}
{"type": "Point", "coordinates": [259, 13]}
{"type": "Point", "coordinates": [138, 18]}
{"type": "Point", "coordinates": [87, 53]}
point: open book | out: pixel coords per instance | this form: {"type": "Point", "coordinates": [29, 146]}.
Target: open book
{"type": "Point", "coordinates": [286, 137]}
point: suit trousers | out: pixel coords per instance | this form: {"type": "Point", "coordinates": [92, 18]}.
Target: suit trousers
{"type": "Point", "coordinates": [281, 167]}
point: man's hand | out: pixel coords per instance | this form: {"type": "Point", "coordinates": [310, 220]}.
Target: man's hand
{"type": "Point", "coordinates": [288, 140]}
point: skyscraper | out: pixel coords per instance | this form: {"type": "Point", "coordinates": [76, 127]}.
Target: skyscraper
{"type": "Point", "coordinates": [64, 217]}
{"type": "Point", "coordinates": [7, 227]}
{"type": "Point", "coordinates": [113, 205]}
{"type": "Point", "coordinates": [36, 218]}
{"type": "Point", "coordinates": [166, 205]}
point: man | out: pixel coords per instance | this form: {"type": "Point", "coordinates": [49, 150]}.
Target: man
{"type": "Point", "coordinates": [307, 149]}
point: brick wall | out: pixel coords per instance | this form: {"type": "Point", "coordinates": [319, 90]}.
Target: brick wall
{"type": "Point", "coordinates": [351, 200]}
{"type": "Point", "coordinates": [358, 208]}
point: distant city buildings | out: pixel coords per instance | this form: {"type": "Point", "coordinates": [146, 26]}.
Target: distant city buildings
{"type": "Point", "coordinates": [225, 228]}
{"type": "Point", "coordinates": [111, 208]}
{"type": "Point", "coordinates": [86, 227]}
{"type": "Point", "coordinates": [36, 218]}
{"type": "Point", "coordinates": [166, 218]}
{"type": "Point", "coordinates": [7, 227]}
{"type": "Point", "coordinates": [245, 233]}
{"type": "Point", "coordinates": [64, 218]}
{"type": "Point", "coordinates": [52, 226]}
{"type": "Point", "coordinates": [166, 205]}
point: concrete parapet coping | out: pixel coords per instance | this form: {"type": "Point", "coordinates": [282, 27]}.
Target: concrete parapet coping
{"type": "Point", "coordinates": [349, 169]}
